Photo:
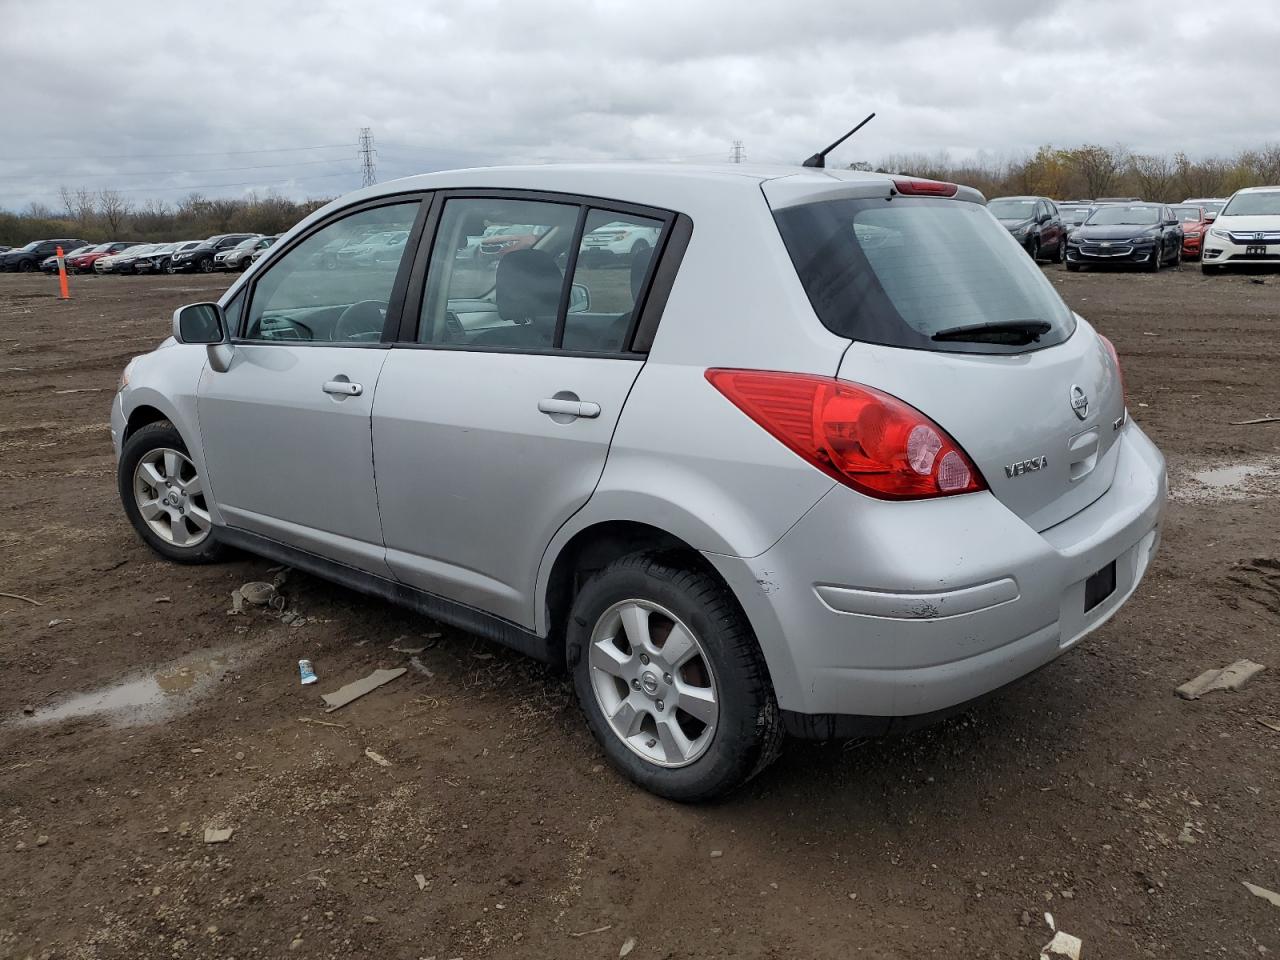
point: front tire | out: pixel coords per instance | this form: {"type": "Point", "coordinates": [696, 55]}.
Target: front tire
{"type": "Point", "coordinates": [206, 266]}
{"type": "Point", "coordinates": [1033, 249]}
{"type": "Point", "coordinates": [165, 497]}
{"type": "Point", "coordinates": [1157, 256]}
{"type": "Point", "coordinates": [670, 678]}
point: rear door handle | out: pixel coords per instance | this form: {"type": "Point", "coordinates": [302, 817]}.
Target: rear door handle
{"type": "Point", "coordinates": [343, 388]}
{"type": "Point", "coordinates": [569, 408]}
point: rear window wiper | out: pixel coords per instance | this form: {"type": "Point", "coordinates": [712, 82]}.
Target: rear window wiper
{"type": "Point", "coordinates": [1013, 332]}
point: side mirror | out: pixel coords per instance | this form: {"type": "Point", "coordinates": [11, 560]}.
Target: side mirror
{"type": "Point", "coordinates": [1210, 217]}
{"type": "Point", "coordinates": [199, 323]}
{"type": "Point", "coordinates": [579, 299]}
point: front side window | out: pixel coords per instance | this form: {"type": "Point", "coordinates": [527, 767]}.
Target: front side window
{"type": "Point", "coordinates": [496, 277]}
{"type": "Point", "coordinates": [911, 271]}
{"type": "Point", "coordinates": [315, 292]}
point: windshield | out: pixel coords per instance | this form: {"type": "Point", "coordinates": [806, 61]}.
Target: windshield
{"type": "Point", "coordinates": [246, 244]}
{"type": "Point", "coordinates": [101, 248]}
{"type": "Point", "coordinates": [1075, 215]}
{"type": "Point", "coordinates": [1012, 209]}
{"type": "Point", "coordinates": [31, 246]}
{"type": "Point", "coordinates": [1261, 204]}
{"type": "Point", "coordinates": [1117, 215]}
{"type": "Point", "coordinates": [1187, 214]}
{"type": "Point", "coordinates": [897, 271]}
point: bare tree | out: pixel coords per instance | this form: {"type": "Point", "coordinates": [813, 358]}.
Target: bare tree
{"type": "Point", "coordinates": [1204, 178]}
{"type": "Point", "coordinates": [114, 208]}
{"type": "Point", "coordinates": [1098, 167]}
{"type": "Point", "coordinates": [1154, 176]}
{"type": "Point", "coordinates": [79, 203]}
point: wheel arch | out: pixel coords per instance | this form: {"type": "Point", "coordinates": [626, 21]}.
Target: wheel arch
{"type": "Point", "coordinates": [594, 547]}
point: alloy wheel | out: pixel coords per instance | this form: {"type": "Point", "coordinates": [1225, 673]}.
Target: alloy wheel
{"type": "Point", "coordinates": [170, 497]}
{"type": "Point", "coordinates": [653, 683]}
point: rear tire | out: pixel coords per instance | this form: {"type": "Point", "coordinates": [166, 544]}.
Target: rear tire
{"type": "Point", "coordinates": [1060, 252]}
{"type": "Point", "coordinates": [155, 464]}
{"type": "Point", "coordinates": [644, 602]}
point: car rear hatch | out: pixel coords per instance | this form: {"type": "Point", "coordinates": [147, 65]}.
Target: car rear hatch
{"type": "Point", "coordinates": [947, 312]}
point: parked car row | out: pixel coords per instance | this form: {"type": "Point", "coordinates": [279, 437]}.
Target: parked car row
{"type": "Point", "coordinates": [1243, 230]}
{"type": "Point", "coordinates": [227, 251]}
{"type": "Point", "coordinates": [29, 257]}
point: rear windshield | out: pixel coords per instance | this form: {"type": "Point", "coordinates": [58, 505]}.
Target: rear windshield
{"type": "Point", "coordinates": [896, 271]}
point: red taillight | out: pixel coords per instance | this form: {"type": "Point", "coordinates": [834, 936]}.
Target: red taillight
{"type": "Point", "coordinates": [925, 188]}
{"type": "Point", "coordinates": [1115, 359]}
{"type": "Point", "coordinates": [863, 438]}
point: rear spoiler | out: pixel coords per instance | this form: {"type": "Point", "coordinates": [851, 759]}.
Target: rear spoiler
{"type": "Point", "coordinates": [802, 188]}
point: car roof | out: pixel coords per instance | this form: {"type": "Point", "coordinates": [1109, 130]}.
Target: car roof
{"type": "Point", "coordinates": [661, 184]}
{"type": "Point", "coordinates": [1259, 190]}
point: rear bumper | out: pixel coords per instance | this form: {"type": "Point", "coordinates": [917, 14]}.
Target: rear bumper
{"type": "Point", "coordinates": [868, 612]}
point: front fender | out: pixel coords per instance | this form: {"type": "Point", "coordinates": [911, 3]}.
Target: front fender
{"type": "Point", "coordinates": [166, 380]}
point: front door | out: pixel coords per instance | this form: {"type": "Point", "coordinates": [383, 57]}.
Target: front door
{"type": "Point", "coordinates": [286, 427]}
{"type": "Point", "coordinates": [492, 428]}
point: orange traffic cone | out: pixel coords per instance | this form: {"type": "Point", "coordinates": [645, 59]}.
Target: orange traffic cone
{"type": "Point", "coordinates": [62, 276]}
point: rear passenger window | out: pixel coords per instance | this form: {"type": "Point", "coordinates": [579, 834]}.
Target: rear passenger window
{"type": "Point", "coordinates": [615, 258]}
{"type": "Point", "coordinates": [335, 285]}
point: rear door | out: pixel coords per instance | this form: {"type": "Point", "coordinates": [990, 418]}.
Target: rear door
{"type": "Point", "coordinates": [493, 418]}
{"type": "Point", "coordinates": [913, 281]}
{"type": "Point", "coordinates": [286, 427]}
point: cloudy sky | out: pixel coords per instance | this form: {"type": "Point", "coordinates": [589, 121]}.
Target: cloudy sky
{"type": "Point", "coordinates": [159, 98]}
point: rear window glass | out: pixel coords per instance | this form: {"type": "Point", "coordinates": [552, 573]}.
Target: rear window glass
{"type": "Point", "coordinates": [897, 271]}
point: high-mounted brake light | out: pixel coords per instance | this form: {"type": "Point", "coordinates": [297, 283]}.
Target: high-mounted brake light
{"type": "Point", "coordinates": [925, 188]}
{"type": "Point", "coordinates": [861, 437]}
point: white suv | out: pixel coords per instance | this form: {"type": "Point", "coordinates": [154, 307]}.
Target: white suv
{"type": "Point", "coordinates": [1246, 233]}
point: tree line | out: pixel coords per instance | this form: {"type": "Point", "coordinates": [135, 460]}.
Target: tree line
{"type": "Point", "coordinates": [1084, 172]}
{"type": "Point", "coordinates": [1093, 170]}
{"type": "Point", "coordinates": [100, 215]}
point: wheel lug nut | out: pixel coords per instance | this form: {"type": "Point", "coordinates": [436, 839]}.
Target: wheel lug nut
{"type": "Point", "coordinates": [666, 678]}
{"type": "Point", "coordinates": [659, 705]}
{"type": "Point", "coordinates": [635, 684]}
{"type": "Point", "coordinates": [644, 658]}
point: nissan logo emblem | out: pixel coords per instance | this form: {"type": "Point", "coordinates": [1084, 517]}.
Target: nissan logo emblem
{"type": "Point", "coordinates": [1079, 401]}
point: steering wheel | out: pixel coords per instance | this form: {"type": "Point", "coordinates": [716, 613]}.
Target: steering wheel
{"type": "Point", "coordinates": [363, 320]}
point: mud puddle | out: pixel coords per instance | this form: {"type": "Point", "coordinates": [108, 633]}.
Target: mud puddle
{"type": "Point", "coordinates": [1226, 482]}
{"type": "Point", "coordinates": [150, 697]}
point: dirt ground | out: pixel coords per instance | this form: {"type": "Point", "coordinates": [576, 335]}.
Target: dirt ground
{"type": "Point", "coordinates": [1088, 791]}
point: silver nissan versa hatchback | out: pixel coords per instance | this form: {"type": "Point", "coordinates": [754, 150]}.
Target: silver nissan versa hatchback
{"type": "Point", "coordinates": [825, 455]}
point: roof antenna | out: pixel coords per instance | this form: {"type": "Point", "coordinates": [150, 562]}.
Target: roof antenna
{"type": "Point", "coordinates": [819, 159]}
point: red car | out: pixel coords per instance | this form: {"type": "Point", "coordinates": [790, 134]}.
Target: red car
{"type": "Point", "coordinates": [1194, 227]}
{"type": "Point", "coordinates": [84, 263]}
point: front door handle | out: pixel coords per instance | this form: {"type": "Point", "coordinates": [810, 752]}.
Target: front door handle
{"type": "Point", "coordinates": [343, 388]}
{"type": "Point", "coordinates": [557, 406]}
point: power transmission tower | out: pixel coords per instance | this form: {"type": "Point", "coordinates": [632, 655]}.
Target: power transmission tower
{"type": "Point", "coordinates": [367, 153]}
{"type": "Point", "coordinates": [738, 152]}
